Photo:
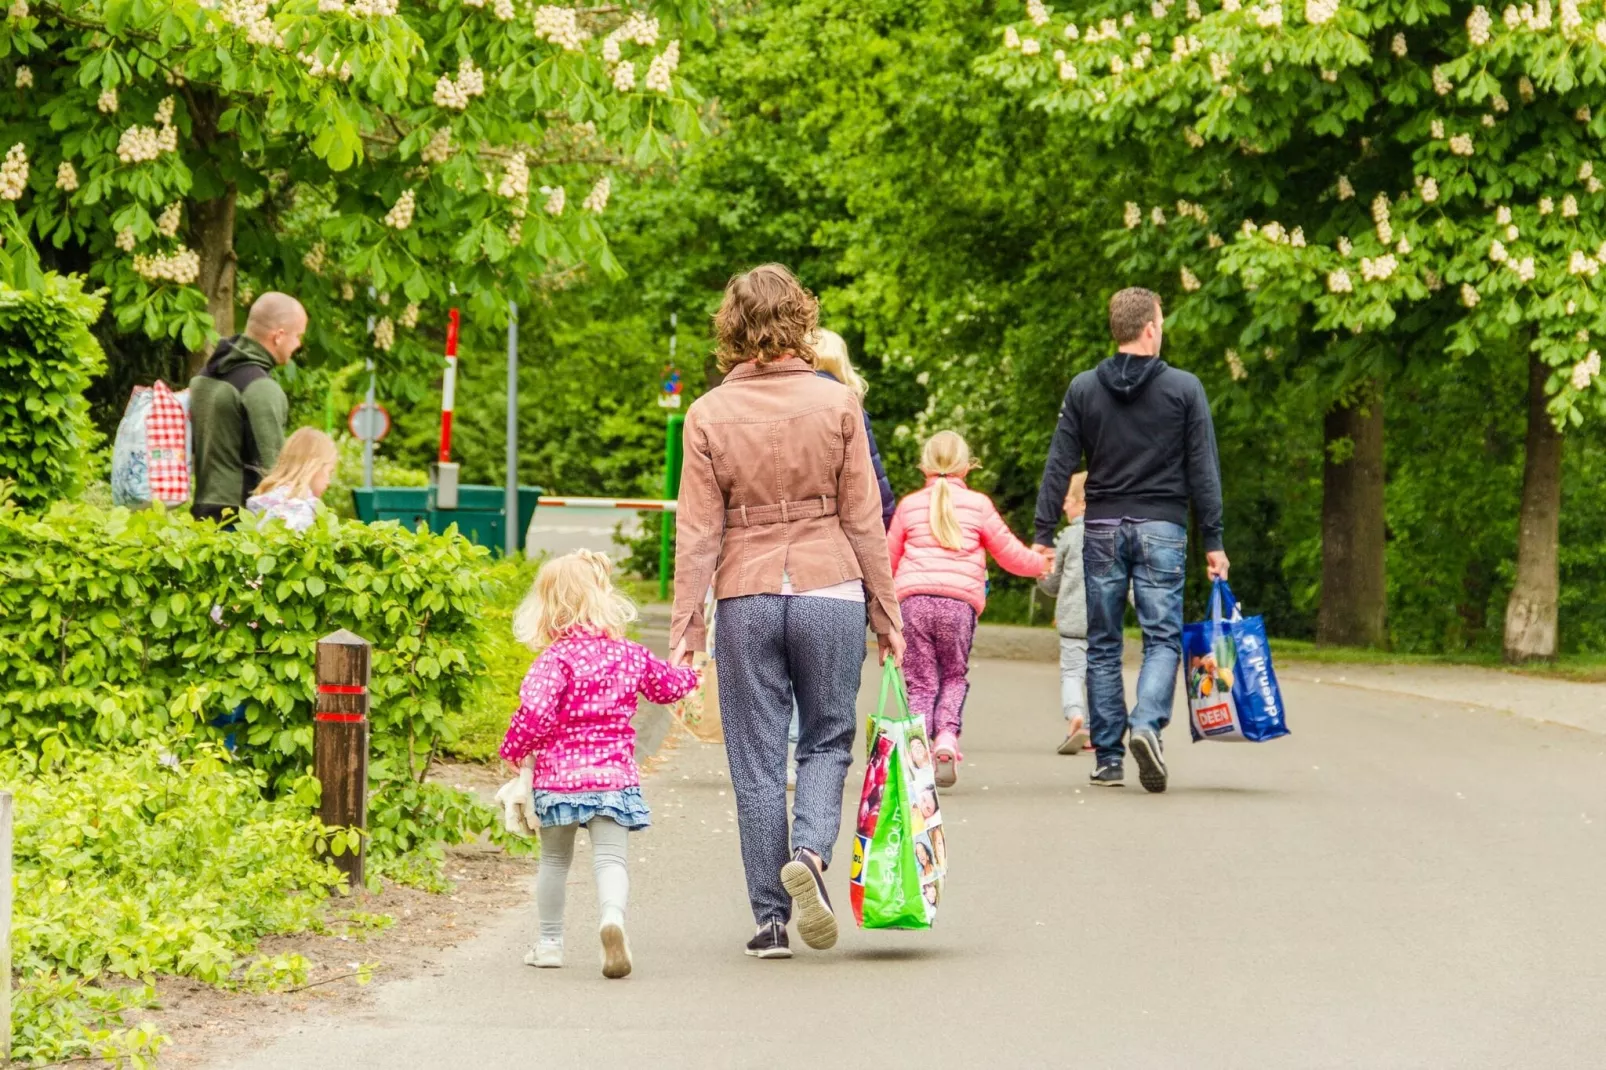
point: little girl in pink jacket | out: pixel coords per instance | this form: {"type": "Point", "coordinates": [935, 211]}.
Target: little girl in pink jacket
{"type": "Point", "coordinates": [573, 742]}
{"type": "Point", "coordinates": [939, 542]}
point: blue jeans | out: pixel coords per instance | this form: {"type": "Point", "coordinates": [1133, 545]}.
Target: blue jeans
{"type": "Point", "coordinates": [1149, 556]}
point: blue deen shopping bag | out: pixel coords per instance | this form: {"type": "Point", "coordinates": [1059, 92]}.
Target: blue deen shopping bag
{"type": "Point", "coordinates": [1232, 690]}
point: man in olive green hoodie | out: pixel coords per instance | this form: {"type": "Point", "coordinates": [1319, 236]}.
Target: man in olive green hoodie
{"type": "Point", "coordinates": [237, 411]}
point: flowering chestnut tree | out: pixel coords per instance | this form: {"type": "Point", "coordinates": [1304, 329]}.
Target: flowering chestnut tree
{"type": "Point", "coordinates": [1362, 181]}
{"type": "Point", "coordinates": [372, 157]}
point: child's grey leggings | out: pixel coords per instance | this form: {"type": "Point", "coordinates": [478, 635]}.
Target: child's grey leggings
{"type": "Point", "coordinates": [609, 841]}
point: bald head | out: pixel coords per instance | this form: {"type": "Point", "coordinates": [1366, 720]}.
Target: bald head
{"type": "Point", "coordinates": [277, 321]}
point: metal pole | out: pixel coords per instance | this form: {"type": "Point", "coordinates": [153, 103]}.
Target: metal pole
{"type": "Point", "coordinates": [368, 443]}
{"type": "Point", "coordinates": [514, 535]}
{"type": "Point", "coordinates": [671, 425]}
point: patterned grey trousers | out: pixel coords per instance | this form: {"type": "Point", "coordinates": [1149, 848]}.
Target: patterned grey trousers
{"type": "Point", "coordinates": [772, 648]}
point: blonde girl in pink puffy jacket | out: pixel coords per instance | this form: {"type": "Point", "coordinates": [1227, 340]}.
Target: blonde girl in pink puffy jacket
{"type": "Point", "coordinates": [939, 542]}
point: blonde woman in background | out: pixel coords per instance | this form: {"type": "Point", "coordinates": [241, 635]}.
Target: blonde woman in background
{"type": "Point", "coordinates": [939, 542]}
{"type": "Point", "coordinates": [831, 362]}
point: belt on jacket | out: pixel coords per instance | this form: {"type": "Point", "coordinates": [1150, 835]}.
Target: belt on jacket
{"type": "Point", "coordinates": [752, 516]}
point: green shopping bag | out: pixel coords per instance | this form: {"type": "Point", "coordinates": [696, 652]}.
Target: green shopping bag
{"type": "Point", "coordinates": [899, 850]}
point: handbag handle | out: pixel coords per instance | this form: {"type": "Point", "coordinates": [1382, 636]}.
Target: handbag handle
{"type": "Point", "coordinates": [1223, 605]}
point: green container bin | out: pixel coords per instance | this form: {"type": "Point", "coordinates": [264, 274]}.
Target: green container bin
{"type": "Point", "coordinates": [480, 515]}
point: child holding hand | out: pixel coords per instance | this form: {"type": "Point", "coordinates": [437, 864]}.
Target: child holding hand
{"type": "Point", "coordinates": [292, 490]}
{"type": "Point", "coordinates": [939, 543]}
{"type": "Point", "coordinates": [1066, 585]}
{"type": "Point", "coordinates": [573, 732]}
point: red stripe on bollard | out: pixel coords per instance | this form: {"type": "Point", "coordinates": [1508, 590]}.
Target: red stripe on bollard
{"type": "Point", "coordinates": [342, 689]}
{"type": "Point", "coordinates": [345, 718]}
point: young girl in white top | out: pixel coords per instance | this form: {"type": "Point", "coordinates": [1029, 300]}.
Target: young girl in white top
{"type": "Point", "coordinates": [292, 490]}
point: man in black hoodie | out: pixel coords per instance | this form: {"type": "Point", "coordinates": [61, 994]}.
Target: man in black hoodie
{"type": "Point", "coordinates": [238, 412]}
{"type": "Point", "coordinates": [1145, 429]}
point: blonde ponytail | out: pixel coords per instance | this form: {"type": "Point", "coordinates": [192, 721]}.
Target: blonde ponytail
{"type": "Point", "coordinates": [945, 454]}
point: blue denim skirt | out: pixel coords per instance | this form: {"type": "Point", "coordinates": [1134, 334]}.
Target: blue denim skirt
{"type": "Point", "coordinates": [626, 806]}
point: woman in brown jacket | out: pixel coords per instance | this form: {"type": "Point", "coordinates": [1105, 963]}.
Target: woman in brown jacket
{"type": "Point", "coordinates": [779, 510]}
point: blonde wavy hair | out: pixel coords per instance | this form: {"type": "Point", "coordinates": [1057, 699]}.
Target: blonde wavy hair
{"type": "Point", "coordinates": [306, 453]}
{"type": "Point", "coordinates": [766, 315]}
{"type": "Point", "coordinates": [946, 454]}
{"type": "Point", "coordinates": [831, 356]}
{"type": "Point", "coordinates": [572, 592]}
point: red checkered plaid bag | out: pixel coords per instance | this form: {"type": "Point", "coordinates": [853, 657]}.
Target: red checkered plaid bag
{"type": "Point", "coordinates": [167, 431]}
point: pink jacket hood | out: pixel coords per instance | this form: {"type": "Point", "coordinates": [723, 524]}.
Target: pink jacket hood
{"type": "Point", "coordinates": [922, 565]}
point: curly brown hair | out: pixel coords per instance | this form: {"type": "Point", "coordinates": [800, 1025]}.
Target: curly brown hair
{"type": "Point", "coordinates": [766, 315]}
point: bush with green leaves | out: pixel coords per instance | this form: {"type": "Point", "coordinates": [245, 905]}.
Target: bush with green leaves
{"type": "Point", "coordinates": [47, 359]}
{"type": "Point", "coordinates": [133, 862]}
{"type": "Point", "coordinates": [107, 635]}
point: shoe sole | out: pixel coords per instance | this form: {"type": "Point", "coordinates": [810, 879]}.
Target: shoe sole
{"type": "Point", "coordinates": [1151, 768]}
{"type": "Point", "coordinates": [816, 923]}
{"type": "Point", "coordinates": [947, 771]}
{"type": "Point", "coordinates": [771, 953]}
{"type": "Point", "coordinates": [1106, 783]}
{"type": "Point", "coordinates": [615, 952]}
{"type": "Point", "coordinates": [1075, 743]}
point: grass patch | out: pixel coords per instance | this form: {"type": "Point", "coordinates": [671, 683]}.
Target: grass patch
{"type": "Point", "coordinates": [1583, 668]}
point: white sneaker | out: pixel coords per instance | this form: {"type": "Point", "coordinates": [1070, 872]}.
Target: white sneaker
{"type": "Point", "coordinates": [615, 950]}
{"type": "Point", "coordinates": [546, 955]}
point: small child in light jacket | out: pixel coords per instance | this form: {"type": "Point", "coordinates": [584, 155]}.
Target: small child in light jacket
{"type": "Point", "coordinates": [1066, 585]}
{"type": "Point", "coordinates": [573, 739]}
{"type": "Point", "coordinates": [939, 542]}
{"type": "Point", "coordinates": [291, 492]}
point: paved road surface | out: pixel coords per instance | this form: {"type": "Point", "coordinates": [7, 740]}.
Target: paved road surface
{"type": "Point", "coordinates": [1403, 883]}
{"type": "Point", "coordinates": [562, 531]}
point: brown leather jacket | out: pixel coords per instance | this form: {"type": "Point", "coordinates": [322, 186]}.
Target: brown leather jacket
{"type": "Point", "coordinates": [777, 476]}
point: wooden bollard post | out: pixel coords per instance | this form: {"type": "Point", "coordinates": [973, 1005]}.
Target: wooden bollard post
{"type": "Point", "coordinates": [340, 740]}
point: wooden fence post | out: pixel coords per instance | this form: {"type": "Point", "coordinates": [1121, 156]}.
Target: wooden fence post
{"type": "Point", "coordinates": [5, 921]}
{"type": "Point", "coordinates": [340, 740]}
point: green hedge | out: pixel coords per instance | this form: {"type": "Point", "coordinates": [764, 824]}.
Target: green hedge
{"type": "Point", "coordinates": [106, 634]}
{"type": "Point", "coordinates": [47, 359]}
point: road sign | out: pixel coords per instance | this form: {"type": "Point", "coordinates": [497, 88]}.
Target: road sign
{"type": "Point", "coordinates": [368, 424]}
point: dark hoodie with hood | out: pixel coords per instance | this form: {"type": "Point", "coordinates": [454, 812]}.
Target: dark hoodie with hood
{"type": "Point", "coordinates": [1145, 429]}
{"type": "Point", "coordinates": [237, 413]}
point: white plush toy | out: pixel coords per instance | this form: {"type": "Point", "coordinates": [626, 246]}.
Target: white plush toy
{"type": "Point", "coordinates": [518, 802]}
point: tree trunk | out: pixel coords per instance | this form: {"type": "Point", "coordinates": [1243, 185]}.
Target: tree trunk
{"type": "Point", "coordinates": [212, 228]}
{"type": "Point", "coordinates": [1354, 592]}
{"type": "Point", "coordinates": [1531, 612]}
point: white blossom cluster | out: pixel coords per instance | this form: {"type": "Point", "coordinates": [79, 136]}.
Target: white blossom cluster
{"type": "Point", "coordinates": [515, 185]}
{"type": "Point", "coordinates": [1338, 282]}
{"type": "Point", "coordinates": [624, 76]}
{"type": "Point", "coordinates": [182, 266]}
{"type": "Point", "coordinates": [1436, 129]}
{"type": "Point", "coordinates": [18, 9]}
{"type": "Point", "coordinates": [1569, 207]}
{"type": "Point", "coordinates": [1031, 46]}
{"type": "Point", "coordinates": [1461, 144]}
{"type": "Point", "coordinates": [1380, 216]}
{"type": "Point", "coordinates": [1499, 103]}
{"type": "Point", "coordinates": [252, 17]}
{"type": "Point", "coordinates": [1157, 216]}
{"type": "Point", "coordinates": [1183, 47]}
{"type": "Point", "coordinates": [1068, 71]}
{"type": "Point", "coordinates": [439, 147]}
{"type": "Point", "coordinates": [14, 173]}
{"type": "Point", "coordinates": [456, 93]}
{"type": "Point", "coordinates": [409, 316]}
{"type": "Point", "coordinates": [348, 292]}
{"type": "Point", "coordinates": [1133, 216]}
{"type": "Point", "coordinates": [1524, 268]}
{"type": "Point", "coordinates": [1600, 32]}
{"type": "Point", "coordinates": [1194, 14]}
{"type": "Point", "coordinates": [1214, 240]}
{"type": "Point", "coordinates": [1379, 269]}
{"type": "Point", "coordinates": [1581, 263]}
{"type": "Point", "coordinates": [1570, 18]}
{"type": "Point", "coordinates": [1585, 371]}
{"type": "Point", "coordinates": [375, 8]}
{"type": "Point", "coordinates": [1478, 24]}
{"type": "Point", "coordinates": [66, 176]}
{"type": "Point", "coordinates": [1268, 17]}
{"type": "Point", "coordinates": [167, 223]}
{"type": "Point", "coordinates": [1194, 139]}
{"type": "Point", "coordinates": [556, 198]}
{"type": "Point", "coordinates": [1220, 66]}
{"type": "Point", "coordinates": [560, 26]}
{"type": "Point", "coordinates": [331, 7]}
{"type": "Point", "coordinates": [1037, 12]}
{"type": "Point", "coordinates": [400, 216]}
{"type": "Point", "coordinates": [1196, 212]}
{"type": "Point", "coordinates": [1398, 46]}
{"type": "Point", "coordinates": [1534, 16]}
{"type": "Point", "coordinates": [1190, 281]}
{"type": "Point", "coordinates": [1011, 37]}
{"type": "Point", "coordinates": [384, 334]}
{"type": "Point", "coordinates": [336, 68]}
{"type": "Point", "coordinates": [24, 78]}
{"type": "Point", "coordinates": [126, 240]}
{"type": "Point", "coordinates": [1429, 190]}
{"type": "Point", "coordinates": [1441, 82]}
{"type": "Point", "coordinates": [1235, 366]}
{"type": "Point", "coordinates": [662, 67]}
{"type": "Point", "coordinates": [1583, 114]}
{"type": "Point", "coordinates": [597, 200]}
{"type": "Point", "coordinates": [106, 104]}
{"type": "Point", "coordinates": [504, 10]}
{"type": "Point", "coordinates": [1525, 89]}
{"type": "Point", "coordinates": [139, 144]}
{"type": "Point", "coordinates": [1344, 246]}
{"type": "Point", "coordinates": [1469, 295]}
{"type": "Point", "coordinates": [1320, 11]}
{"type": "Point", "coordinates": [313, 258]}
